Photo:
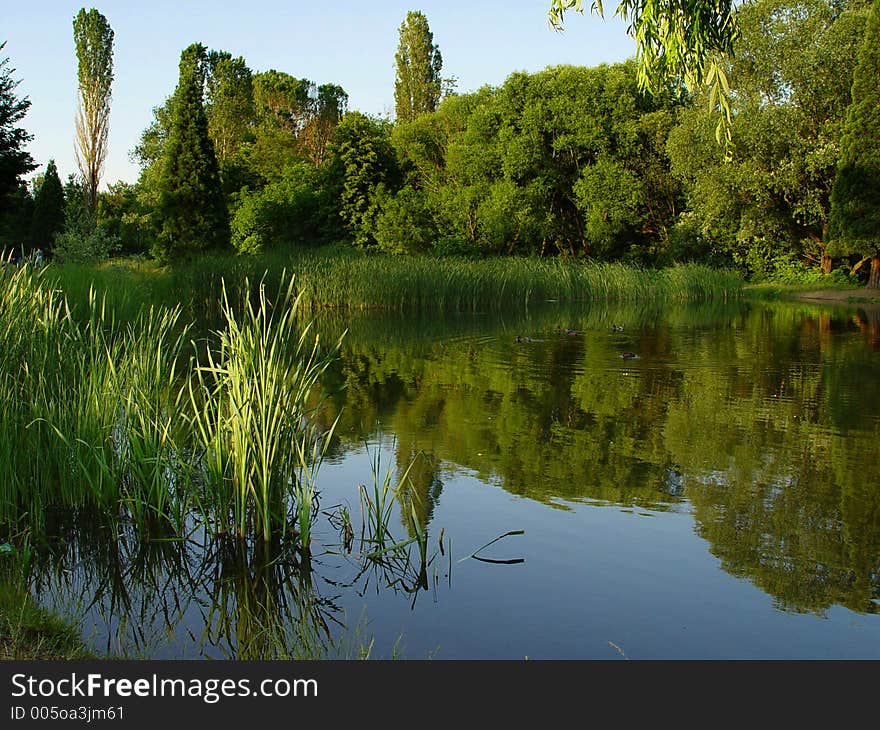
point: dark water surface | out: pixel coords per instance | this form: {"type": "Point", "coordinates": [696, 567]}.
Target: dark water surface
{"type": "Point", "coordinates": [715, 496]}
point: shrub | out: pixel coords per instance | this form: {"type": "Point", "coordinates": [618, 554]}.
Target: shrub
{"type": "Point", "coordinates": [405, 224]}
{"type": "Point", "coordinates": [292, 211]}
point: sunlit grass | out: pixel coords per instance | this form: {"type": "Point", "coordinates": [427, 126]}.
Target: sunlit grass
{"type": "Point", "coordinates": [344, 279]}
{"type": "Point", "coordinates": [251, 416]}
{"type": "Point", "coordinates": [121, 416]}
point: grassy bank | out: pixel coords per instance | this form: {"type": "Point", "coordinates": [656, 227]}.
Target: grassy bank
{"type": "Point", "coordinates": [351, 280]}
{"type": "Point", "coordinates": [842, 293]}
{"type": "Point", "coordinates": [30, 632]}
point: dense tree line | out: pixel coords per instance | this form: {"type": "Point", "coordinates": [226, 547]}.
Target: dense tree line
{"type": "Point", "coordinates": [568, 161]}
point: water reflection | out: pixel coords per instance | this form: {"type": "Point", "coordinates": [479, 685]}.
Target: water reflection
{"type": "Point", "coordinates": [763, 417]}
{"type": "Point", "coordinates": [760, 421]}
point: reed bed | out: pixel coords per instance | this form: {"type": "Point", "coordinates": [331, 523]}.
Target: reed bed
{"type": "Point", "coordinates": [251, 414]}
{"type": "Point", "coordinates": [132, 419]}
{"type": "Point", "coordinates": [158, 439]}
{"type": "Point", "coordinates": [420, 283]}
{"type": "Point", "coordinates": [343, 279]}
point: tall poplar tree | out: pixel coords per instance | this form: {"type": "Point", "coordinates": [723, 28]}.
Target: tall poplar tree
{"type": "Point", "coordinates": [93, 37]}
{"type": "Point", "coordinates": [855, 197]}
{"type": "Point", "coordinates": [191, 203]}
{"type": "Point", "coordinates": [48, 218]}
{"type": "Point", "coordinates": [418, 85]}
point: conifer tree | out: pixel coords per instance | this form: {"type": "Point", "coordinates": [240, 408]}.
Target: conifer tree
{"type": "Point", "coordinates": [15, 161]}
{"type": "Point", "coordinates": [855, 198]}
{"type": "Point", "coordinates": [418, 84]}
{"type": "Point", "coordinates": [48, 218]}
{"type": "Point", "coordinates": [191, 204]}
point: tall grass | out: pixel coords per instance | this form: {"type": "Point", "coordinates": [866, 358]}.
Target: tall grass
{"type": "Point", "coordinates": [419, 283]}
{"type": "Point", "coordinates": [333, 278]}
{"type": "Point", "coordinates": [128, 429]}
{"type": "Point", "coordinates": [95, 413]}
{"type": "Point", "coordinates": [251, 414]}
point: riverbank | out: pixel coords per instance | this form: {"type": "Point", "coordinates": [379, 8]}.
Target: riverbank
{"type": "Point", "coordinates": [813, 293]}
{"type": "Point", "coordinates": [344, 279]}
{"type": "Point", "coordinates": [29, 632]}
{"type": "Point", "coordinates": [860, 295]}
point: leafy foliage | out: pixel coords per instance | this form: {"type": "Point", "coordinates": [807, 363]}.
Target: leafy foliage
{"type": "Point", "coordinates": [82, 240]}
{"type": "Point", "coordinates": [229, 104]}
{"type": "Point", "coordinates": [855, 199]}
{"type": "Point", "coordinates": [362, 163]}
{"type": "Point", "coordinates": [791, 77]}
{"type": "Point", "coordinates": [418, 85]}
{"type": "Point", "coordinates": [192, 207]}
{"type": "Point", "coordinates": [523, 169]}
{"type": "Point", "coordinates": [293, 211]}
{"type": "Point", "coordinates": [405, 224]}
{"type": "Point", "coordinates": [122, 214]}
{"type": "Point", "coordinates": [15, 161]}
{"type": "Point", "coordinates": [677, 42]}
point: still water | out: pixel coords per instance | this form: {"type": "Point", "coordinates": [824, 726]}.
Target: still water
{"type": "Point", "coordinates": [685, 482]}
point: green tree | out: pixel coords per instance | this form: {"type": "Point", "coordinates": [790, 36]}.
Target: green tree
{"type": "Point", "coordinates": [765, 202]}
{"type": "Point", "coordinates": [677, 42]}
{"type": "Point", "coordinates": [361, 166]}
{"type": "Point", "coordinates": [525, 169]}
{"type": "Point", "coordinates": [94, 52]}
{"type": "Point", "coordinates": [855, 199]}
{"type": "Point", "coordinates": [82, 240]}
{"type": "Point", "coordinates": [48, 217]}
{"type": "Point", "coordinates": [122, 214]}
{"type": "Point", "coordinates": [418, 85]}
{"type": "Point", "coordinates": [405, 223]}
{"type": "Point", "coordinates": [293, 211]}
{"type": "Point", "coordinates": [15, 220]}
{"type": "Point", "coordinates": [283, 107]}
{"type": "Point", "coordinates": [229, 103]}
{"type": "Point", "coordinates": [191, 207]}
{"type": "Point", "coordinates": [15, 161]}
{"type": "Point", "coordinates": [328, 108]}
{"type": "Point", "coordinates": [282, 100]}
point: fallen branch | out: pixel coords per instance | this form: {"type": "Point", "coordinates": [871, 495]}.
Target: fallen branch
{"type": "Point", "coordinates": [492, 542]}
{"type": "Point", "coordinates": [858, 266]}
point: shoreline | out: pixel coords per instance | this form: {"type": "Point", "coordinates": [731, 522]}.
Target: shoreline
{"type": "Point", "coordinates": [841, 296]}
{"type": "Point", "coordinates": [859, 296]}
{"type": "Point", "coordinates": [30, 632]}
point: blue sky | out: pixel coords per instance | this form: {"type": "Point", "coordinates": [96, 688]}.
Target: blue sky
{"type": "Point", "coordinates": [345, 42]}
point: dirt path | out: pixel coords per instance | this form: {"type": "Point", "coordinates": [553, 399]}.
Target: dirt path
{"type": "Point", "coordinates": [840, 296]}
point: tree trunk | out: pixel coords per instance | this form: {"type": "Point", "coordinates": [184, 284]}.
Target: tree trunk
{"type": "Point", "coordinates": [874, 278]}
{"type": "Point", "coordinates": [825, 264]}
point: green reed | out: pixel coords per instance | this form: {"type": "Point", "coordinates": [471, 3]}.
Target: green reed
{"type": "Point", "coordinates": [354, 281]}
{"type": "Point", "coordinates": [87, 405]}
{"type": "Point", "coordinates": [95, 412]}
{"type": "Point", "coordinates": [377, 506]}
{"type": "Point", "coordinates": [342, 278]}
{"type": "Point", "coordinates": [250, 413]}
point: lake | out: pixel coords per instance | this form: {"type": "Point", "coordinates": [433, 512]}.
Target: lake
{"type": "Point", "coordinates": [594, 482]}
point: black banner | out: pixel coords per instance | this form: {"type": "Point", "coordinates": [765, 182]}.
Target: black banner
{"type": "Point", "coordinates": [170, 694]}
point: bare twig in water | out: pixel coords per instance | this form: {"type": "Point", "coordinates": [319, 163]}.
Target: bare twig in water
{"type": "Point", "coordinates": [492, 542]}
